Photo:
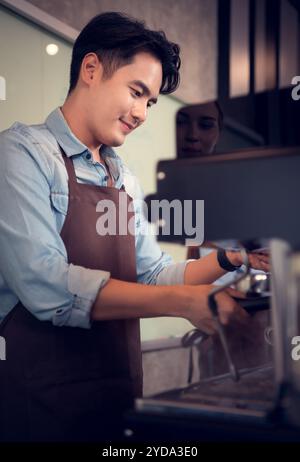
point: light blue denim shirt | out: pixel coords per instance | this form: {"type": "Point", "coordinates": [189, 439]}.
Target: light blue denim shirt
{"type": "Point", "coordinates": [33, 206]}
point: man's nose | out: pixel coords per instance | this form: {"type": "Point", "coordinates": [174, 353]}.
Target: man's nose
{"type": "Point", "coordinates": [139, 112]}
{"type": "Point", "coordinates": [192, 134]}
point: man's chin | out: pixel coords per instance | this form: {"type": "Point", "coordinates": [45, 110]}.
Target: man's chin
{"type": "Point", "coordinates": [115, 143]}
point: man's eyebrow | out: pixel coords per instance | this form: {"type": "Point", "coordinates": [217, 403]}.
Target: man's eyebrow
{"type": "Point", "coordinates": [145, 89]}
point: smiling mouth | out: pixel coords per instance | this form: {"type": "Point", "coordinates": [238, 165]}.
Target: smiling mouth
{"type": "Point", "coordinates": [126, 126]}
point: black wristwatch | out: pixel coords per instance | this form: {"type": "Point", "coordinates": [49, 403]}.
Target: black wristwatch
{"type": "Point", "coordinates": [224, 262]}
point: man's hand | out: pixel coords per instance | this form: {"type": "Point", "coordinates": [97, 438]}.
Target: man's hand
{"type": "Point", "coordinates": [258, 261]}
{"type": "Point", "coordinates": [229, 310]}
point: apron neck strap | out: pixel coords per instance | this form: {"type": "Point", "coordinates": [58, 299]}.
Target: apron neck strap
{"type": "Point", "coordinates": [71, 170]}
{"type": "Point", "coordinates": [70, 167]}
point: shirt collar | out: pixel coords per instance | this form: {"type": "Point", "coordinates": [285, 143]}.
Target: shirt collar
{"type": "Point", "coordinates": [72, 146]}
{"type": "Point", "coordinates": [58, 126]}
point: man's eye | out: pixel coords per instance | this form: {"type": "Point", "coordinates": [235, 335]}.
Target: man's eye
{"type": "Point", "coordinates": [136, 93]}
{"type": "Point", "coordinates": [206, 124]}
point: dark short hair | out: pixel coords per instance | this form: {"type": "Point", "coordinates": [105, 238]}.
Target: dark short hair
{"type": "Point", "coordinates": [116, 38]}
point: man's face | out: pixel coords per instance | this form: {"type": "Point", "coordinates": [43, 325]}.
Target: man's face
{"type": "Point", "coordinates": [197, 130]}
{"type": "Point", "coordinates": [119, 104]}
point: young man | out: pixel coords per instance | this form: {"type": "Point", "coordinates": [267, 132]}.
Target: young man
{"type": "Point", "coordinates": [71, 297]}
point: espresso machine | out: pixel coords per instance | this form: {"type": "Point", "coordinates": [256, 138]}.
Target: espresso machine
{"type": "Point", "coordinates": [250, 196]}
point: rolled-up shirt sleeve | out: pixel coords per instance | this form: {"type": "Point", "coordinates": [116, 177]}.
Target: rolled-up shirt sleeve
{"type": "Point", "coordinates": [172, 274]}
{"type": "Point", "coordinates": [33, 257]}
{"type": "Point", "coordinates": [84, 284]}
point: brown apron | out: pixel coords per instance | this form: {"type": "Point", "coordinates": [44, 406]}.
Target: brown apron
{"type": "Point", "coordinates": [69, 383]}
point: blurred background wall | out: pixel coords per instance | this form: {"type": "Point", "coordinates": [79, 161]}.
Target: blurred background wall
{"type": "Point", "coordinates": [191, 23]}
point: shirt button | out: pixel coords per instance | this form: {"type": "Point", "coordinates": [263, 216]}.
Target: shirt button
{"type": "Point", "coordinates": [106, 178]}
{"type": "Point", "coordinates": [88, 156]}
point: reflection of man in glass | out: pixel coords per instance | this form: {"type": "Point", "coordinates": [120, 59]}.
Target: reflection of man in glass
{"type": "Point", "coordinates": [198, 129]}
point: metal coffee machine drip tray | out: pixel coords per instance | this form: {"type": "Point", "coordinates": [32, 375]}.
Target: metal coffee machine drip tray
{"type": "Point", "coordinates": [252, 397]}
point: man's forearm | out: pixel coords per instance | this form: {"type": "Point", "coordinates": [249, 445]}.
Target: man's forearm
{"type": "Point", "coordinates": [125, 300]}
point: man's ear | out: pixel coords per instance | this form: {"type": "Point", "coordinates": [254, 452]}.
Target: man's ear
{"type": "Point", "coordinates": [91, 68]}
